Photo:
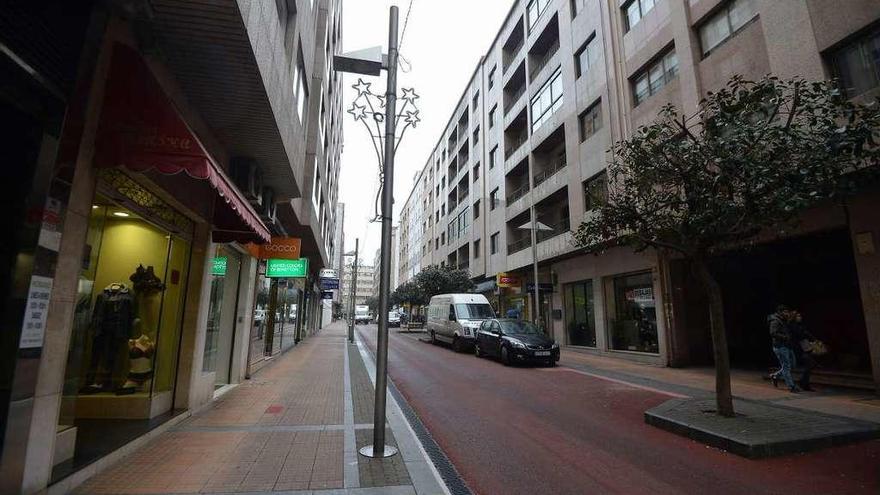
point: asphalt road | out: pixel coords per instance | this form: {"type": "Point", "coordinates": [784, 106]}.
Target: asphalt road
{"type": "Point", "coordinates": [524, 430]}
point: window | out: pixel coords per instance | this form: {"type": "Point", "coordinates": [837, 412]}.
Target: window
{"type": "Point", "coordinates": [651, 79]}
{"type": "Point", "coordinates": [493, 243]}
{"type": "Point", "coordinates": [476, 209]}
{"type": "Point", "coordinates": [477, 249]}
{"type": "Point", "coordinates": [580, 316]}
{"type": "Point", "coordinates": [437, 243]}
{"type": "Point", "coordinates": [476, 100]}
{"type": "Point", "coordinates": [493, 157]}
{"type": "Point", "coordinates": [534, 11]}
{"type": "Point", "coordinates": [858, 64]}
{"type": "Point", "coordinates": [492, 78]}
{"type": "Point", "coordinates": [493, 199]}
{"type": "Point", "coordinates": [443, 238]}
{"type": "Point", "coordinates": [590, 120]}
{"type": "Point", "coordinates": [300, 87]}
{"type": "Point", "coordinates": [726, 23]}
{"type": "Point", "coordinates": [576, 6]}
{"type": "Point", "coordinates": [476, 136]}
{"type": "Point", "coordinates": [632, 313]}
{"type": "Point", "coordinates": [443, 209]}
{"type": "Point", "coordinates": [452, 230]}
{"type": "Point", "coordinates": [547, 100]}
{"type": "Point", "coordinates": [586, 56]}
{"type": "Point", "coordinates": [595, 191]}
{"type": "Point", "coordinates": [637, 9]}
{"type": "Point", "coordinates": [492, 116]}
{"type": "Point", "coordinates": [476, 172]}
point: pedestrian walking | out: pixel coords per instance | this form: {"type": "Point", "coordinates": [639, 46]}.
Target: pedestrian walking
{"type": "Point", "coordinates": [805, 347]}
{"type": "Point", "coordinates": [779, 324]}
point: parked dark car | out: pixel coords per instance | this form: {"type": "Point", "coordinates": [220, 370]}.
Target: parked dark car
{"type": "Point", "coordinates": [515, 341]}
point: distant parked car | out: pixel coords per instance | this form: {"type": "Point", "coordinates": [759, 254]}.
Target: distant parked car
{"type": "Point", "coordinates": [393, 319]}
{"type": "Point", "coordinates": [515, 341]}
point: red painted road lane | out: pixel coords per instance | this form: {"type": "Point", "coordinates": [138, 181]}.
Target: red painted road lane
{"type": "Point", "coordinates": [556, 431]}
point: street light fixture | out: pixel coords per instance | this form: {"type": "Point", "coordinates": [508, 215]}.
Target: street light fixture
{"type": "Point", "coordinates": [371, 62]}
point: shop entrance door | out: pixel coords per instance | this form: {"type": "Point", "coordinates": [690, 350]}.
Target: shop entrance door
{"type": "Point", "coordinates": [222, 315]}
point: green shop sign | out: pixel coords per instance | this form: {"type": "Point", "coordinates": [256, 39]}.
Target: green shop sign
{"type": "Point", "coordinates": [276, 268]}
{"type": "Point", "coordinates": [218, 267]}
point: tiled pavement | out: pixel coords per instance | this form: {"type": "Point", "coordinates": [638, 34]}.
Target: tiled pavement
{"type": "Point", "coordinates": [293, 428]}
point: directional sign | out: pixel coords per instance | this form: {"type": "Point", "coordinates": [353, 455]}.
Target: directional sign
{"type": "Point", "coordinates": [329, 283]}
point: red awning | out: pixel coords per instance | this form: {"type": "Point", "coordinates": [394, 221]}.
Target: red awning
{"type": "Point", "coordinates": [141, 130]}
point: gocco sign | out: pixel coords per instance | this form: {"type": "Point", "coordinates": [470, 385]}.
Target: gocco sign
{"type": "Point", "coordinates": [285, 248]}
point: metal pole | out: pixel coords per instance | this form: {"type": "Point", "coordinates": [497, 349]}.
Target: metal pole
{"type": "Point", "coordinates": [535, 305]}
{"type": "Point", "coordinates": [379, 449]}
{"type": "Point", "coordinates": [354, 270]}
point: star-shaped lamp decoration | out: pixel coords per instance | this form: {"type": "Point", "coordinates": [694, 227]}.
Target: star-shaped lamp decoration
{"type": "Point", "coordinates": [409, 95]}
{"type": "Point", "coordinates": [359, 112]}
{"type": "Point", "coordinates": [362, 87]}
{"type": "Point", "coordinates": [412, 118]}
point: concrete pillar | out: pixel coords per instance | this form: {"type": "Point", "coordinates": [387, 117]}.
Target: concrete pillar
{"type": "Point", "coordinates": [865, 230]}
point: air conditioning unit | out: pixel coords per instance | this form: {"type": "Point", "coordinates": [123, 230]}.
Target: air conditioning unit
{"type": "Point", "coordinates": [269, 210]}
{"type": "Point", "coordinates": [249, 179]}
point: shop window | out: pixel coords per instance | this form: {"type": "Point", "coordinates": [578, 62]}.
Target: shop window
{"type": "Point", "coordinates": [128, 313]}
{"type": "Point", "coordinates": [632, 313]}
{"type": "Point", "coordinates": [580, 317]}
{"type": "Point", "coordinates": [220, 331]}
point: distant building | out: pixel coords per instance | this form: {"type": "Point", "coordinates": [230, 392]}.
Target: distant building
{"type": "Point", "coordinates": [395, 260]}
{"type": "Point", "coordinates": [364, 287]}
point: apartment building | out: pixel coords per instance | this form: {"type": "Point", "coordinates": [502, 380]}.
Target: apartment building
{"type": "Point", "coordinates": [528, 140]}
{"type": "Point", "coordinates": [338, 258]}
{"type": "Point", "coordinates": [365, 287]}
{"type": "Point", "coordinates": [158, 148]}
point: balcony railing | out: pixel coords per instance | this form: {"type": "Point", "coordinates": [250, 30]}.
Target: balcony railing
{"type": "Point", "coordinates": [543, 63]}
{"type": "Point", "coordinates": [517, 143]}
{"type": "Point", "coordinates": [519, 245]}
{"type": "Point", "coordinates": [510, 55]}
{"type": "Point", "coordinates": [517, 193]}
{"type": "Point", "coordinates": [510, 102]}
{"type": "Point", "coordinates": [549, 172]}
{"type": "Point", "coordinates": [557, 229]}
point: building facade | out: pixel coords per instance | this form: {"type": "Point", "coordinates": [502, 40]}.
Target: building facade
{"type": "Point", "coordinates": [136, 285]}
{"type": "Point", "coordinates": [527, 141]}
{"type": "Point", "coordinates": [395, 262]}
{"type": "Point", "coordinates": [364, 289]}
{"type": "Point", "coordinates": [338, 257]}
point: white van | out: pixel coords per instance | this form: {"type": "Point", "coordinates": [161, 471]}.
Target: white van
{"type": "Point", "coordinates": [455, 318]}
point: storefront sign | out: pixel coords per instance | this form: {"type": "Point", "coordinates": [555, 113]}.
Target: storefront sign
{"type": "Point", "coordinates": [218, 266]}
{"type": "Point", "coordinates": [507, 280]}
{"type": "Point", "coordinates": [326, 294]}
{"type": "Point", "coordinates": [640, 295]}
{"type": "Point", "coordinates": [328, 273]}
{"type": "Point", "coordinates": [329, 283]}
{"type": "Point", "coordinates": [34, 325]}
{"type": "Point", "coordinates": [530, 287]}
{"type": "Point", "coordinates": [284, 268]}
{"type": "Point", "coordinates": [281, 248]}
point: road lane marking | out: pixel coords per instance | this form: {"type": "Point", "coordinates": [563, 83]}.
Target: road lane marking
{"type": "Point", "coordinates": [622, 382]}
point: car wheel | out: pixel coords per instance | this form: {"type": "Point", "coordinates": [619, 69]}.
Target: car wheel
{"type": "Point", "coordinates": [505, 356]}
{"type": "Point", "coordinates": [456, 344]}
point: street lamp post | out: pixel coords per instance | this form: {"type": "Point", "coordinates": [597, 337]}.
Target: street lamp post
{"type": "Point", "coordinates": [354, 272]}
{"type": "Point", "coordinates": [534, 226]}
{"type": "Point", "coordinates": [371, 62]}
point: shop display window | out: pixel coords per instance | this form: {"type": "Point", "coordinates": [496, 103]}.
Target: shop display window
{"type": "Point", "coordinates": [222, 310]}
{"type": "Point", "coordinates": [128, 314]}
{"type": "Point", "coordinates": [580, 318]}
{"type": "Point", "coordinates": [276, 312]}
{"type": "Point", "coordinates": [632, 313]}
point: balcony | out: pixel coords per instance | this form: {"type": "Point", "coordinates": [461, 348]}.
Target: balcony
{"type": "Point", "coordinates": [549, 171]}
{"type": "Point", "coordinates": [515, 144]}
{"type": "Point", "coordinates": [536, 67]}
{"type": "Point", "coordinates": [517, 194]}
{"type": "Point", "coordinates": [558, 228]}
{"type": "Point", "coordinates": [510, 101]}
{"type": "Point", "coordinates": [519, 245]}
{"type": "Point", "coordinates": [512, 46]}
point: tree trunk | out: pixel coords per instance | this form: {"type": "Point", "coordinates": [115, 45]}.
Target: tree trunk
{"type": "Point", "coordinates": [723, 397]}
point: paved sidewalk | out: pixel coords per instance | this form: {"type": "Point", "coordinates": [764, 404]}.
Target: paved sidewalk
{"type": "Point", "coordinates": [294, 428]}
{"type": "Point", "coordinates": [700, 382]}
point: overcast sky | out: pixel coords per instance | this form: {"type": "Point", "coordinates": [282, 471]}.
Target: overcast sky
{"type": "Point", "coordinates": [443, 42]}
